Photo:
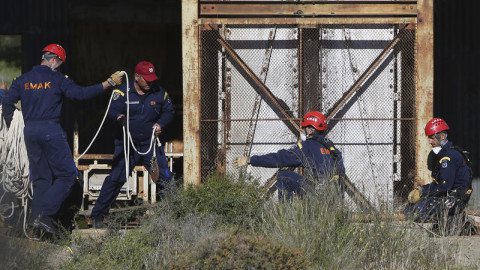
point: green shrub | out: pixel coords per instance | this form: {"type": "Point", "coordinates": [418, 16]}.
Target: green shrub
{"type": "Point", "coordinates": [235, 202]}
{"type": "Point", "coordinates": [242, 251]}
{"type": "Point", "coordinates": [329, 235]}
{"type": "Point", "coordinates": [21, 254]}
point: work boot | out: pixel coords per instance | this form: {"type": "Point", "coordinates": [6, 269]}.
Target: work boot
{"type": "Point", "coordinates": [97, 222]}
{"type": "Point", "coordinates": [46, 225]}
{"type": "Point", "coordinates": [36, 234]}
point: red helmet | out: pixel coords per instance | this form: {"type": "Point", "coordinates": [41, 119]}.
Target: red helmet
{"type": "Point", "coordinates": [56, 49]}
{"type": "Point", "coordinates": [435, 125]}
{"type": "Point", "coordinates": [315, 119]}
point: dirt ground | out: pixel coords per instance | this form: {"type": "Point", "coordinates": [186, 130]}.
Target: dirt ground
{"type": "Point", "coordinates": [468, 249]}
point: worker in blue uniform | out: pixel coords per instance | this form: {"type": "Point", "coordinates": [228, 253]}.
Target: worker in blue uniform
{"type": "Point", "coordinates": [451, 188]}
{"type": "Point", "coordinates": [150, 108]}
{"type": "Point", "coordinates": [318, 156]}
{"type": "Point", "coordinates": [52, 168]}
{"type": "Point", "coordinates": [3, 88]}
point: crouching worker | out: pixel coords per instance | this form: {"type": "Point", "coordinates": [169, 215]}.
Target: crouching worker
{"type": "Point", "coordinates": [450, 191]}
{"type": "Point", "coordinates": [316, 154]}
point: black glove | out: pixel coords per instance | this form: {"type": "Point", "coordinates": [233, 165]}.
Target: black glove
{"type": "Point", "coordinates": [121, 120]}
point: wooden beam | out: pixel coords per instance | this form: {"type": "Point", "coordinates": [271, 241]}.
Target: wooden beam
{"type": "Point", "coordinates": [191, 93]}
{"type": "Point", "coordinates": [424, 86]}
{"type": "Point", "coordinates": [309, 9]}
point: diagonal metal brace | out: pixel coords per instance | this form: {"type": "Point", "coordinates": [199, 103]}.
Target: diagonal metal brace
{"type": "Point", "coordinates": [356, 86]}
{"type": "Point", "coordinates": [271, 100]}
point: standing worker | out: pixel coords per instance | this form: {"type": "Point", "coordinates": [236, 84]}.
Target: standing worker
{"type": "Point", "coordinates": [451, 188]}
{"type": "Point", "coordinates": [52, 168]}
{"type": "Point", "coordinates": [3, 88]}
{"type": "Point", "coordinates": [317, 155]}
{"type": "Point", "coordinates": [150, 109]}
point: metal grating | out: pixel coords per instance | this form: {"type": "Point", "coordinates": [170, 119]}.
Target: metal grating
{"type": "Point", "coordinates": [258, 80]}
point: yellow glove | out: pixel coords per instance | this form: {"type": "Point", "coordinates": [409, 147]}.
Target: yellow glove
{"type": "Point", "coordinates": [116, 78]}
{"type": "Point", "coordinates": [414, 195]}
{"type": "Point", "coordinates": [241, 162]}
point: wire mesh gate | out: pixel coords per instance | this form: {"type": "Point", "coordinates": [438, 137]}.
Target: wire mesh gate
{"type": "Point", "coordinates": [257, 81]}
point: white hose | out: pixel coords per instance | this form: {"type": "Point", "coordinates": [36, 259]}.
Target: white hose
{"type": "Point", "coordinates": [14, 159]}
{"type": "Point", "coordinates": [127, 138]}
{"type": "Point", "coordinates": [14, 166]}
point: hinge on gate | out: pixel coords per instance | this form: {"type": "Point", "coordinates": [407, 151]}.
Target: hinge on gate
{"type": "Point", "coordinates": [397, 158]}
{"type": "Point", "coordinates": [221, 95]}
{"type": "Point", "coordinates": [397, 96]}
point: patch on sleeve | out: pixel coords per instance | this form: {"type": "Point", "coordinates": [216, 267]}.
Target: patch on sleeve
{"type": "Point", "coordinates": [117, 93]}
{"type": "Point", "coordinates": [444, 161]}
{"type": "Point", "coordinates": [165, 96]}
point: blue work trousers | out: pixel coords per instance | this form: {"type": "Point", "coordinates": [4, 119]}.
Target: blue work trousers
{"type": "Point", "coordinates": [289, 183]}
{"type": "Point", "coordinates": [113, 183]}
{"type": "Point", "coordinates": [52, 168]}
{"type": "Point", "coordinates": [431, 209]}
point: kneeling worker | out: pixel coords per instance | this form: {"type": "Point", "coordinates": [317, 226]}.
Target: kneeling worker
{"type": "Point", "coordinates": [450, 191]}
{"type": "Point", "coordinates": [317, 155]}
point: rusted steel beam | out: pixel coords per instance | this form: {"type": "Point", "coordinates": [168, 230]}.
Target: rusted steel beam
{"type": "Point", "coordinates": [310, 21]}
{"type": "Point", "coordinates": [309, 9]}
{"type": "Point", "coordinates": [424, 86]}
{"type": "Point", "coordinates": [264, 90]}
{"type": "Point", "coordinates": [191, 93]}
{"type": "Point", "coordinates": [364, 77]}
{"type": "Point", "coordinates": [356, 195]}
{"type": "Point", "coordinates": [300, 119]}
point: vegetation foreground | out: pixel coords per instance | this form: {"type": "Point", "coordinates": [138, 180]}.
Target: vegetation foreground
{"type": "Point", "coordinates": [225, 224]}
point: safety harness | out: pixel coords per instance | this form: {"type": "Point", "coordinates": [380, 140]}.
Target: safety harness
{"type": "Point", "coordinates": [333, 152]}
{"type": "Point", "coordinates": [464, 193]}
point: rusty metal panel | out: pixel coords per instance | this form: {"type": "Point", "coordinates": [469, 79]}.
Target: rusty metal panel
{"type": "Point", "coordinates": [370, 141]}
{"type": "Point", "coordinates": [289, 9]}
{"type": "Point", "coordinates": [370, 126]}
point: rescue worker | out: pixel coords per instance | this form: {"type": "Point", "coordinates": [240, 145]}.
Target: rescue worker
{"type": "Point", "coordinates": [451, 188]}
{"type": "Point", "coordinates": [52, 168]}
{"type": "Point", "coordinates": [316, 154]}
{"type": "Point", "coordinates": [3, 88]}
{"type": "Point", "coordinates": [150, 108]}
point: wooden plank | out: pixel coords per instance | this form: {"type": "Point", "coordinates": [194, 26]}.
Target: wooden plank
{"type": "Point", "coordinates": [98, 156]}
{"type": "Point", "coordinates": [191, 93]}
{"type": "Point", "coordinates": [424, 87]}
{"type": "Point", "coordinates": [289, 9]}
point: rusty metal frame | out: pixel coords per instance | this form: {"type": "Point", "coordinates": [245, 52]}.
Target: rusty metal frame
{"type": "Point", "coordinates": [307, 9]}
{"type": "Point", "coordinates": [419, 13]}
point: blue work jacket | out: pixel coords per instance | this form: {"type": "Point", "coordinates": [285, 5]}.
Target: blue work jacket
{"type": "Point", "coordinates": [156, 107]}
{"type": "Point", "coordinates": [310, 154]}
{"type": "Point", "coordinates": [452, 173]}
{"type": "Point", "coordinates": [41, 91]}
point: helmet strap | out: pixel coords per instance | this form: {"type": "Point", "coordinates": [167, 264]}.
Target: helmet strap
{"type": "Point", "coordinates": [47, 56]}
{"type": "Point", "coordinates": [439, 138]}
